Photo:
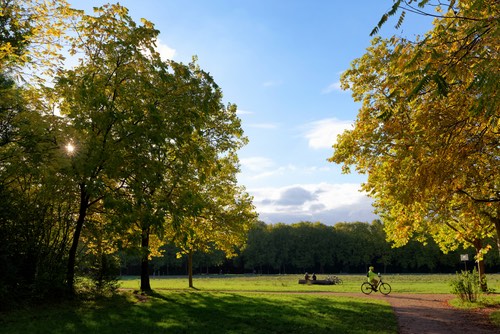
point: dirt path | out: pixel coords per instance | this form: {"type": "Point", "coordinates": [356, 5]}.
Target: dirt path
{"type": "Point", "coordinates": [431, 314]}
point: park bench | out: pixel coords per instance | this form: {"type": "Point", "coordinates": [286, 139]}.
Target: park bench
{"type": "Point", "coordinates": [318, 281]}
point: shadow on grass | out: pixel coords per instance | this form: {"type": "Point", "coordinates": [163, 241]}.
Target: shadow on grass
{"type": "Point", "coordinates": [202, 312]}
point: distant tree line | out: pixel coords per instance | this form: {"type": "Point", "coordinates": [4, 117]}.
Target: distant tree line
{"type": "Point", "coordinates": [315, 247]}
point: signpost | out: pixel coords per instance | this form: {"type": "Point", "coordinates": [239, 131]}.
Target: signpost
{"type": "Point", "coordinates": [464, 258]}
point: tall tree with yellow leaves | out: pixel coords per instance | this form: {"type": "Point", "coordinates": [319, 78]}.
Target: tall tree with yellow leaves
{"type": "Point", "coordinates": [428, 131]}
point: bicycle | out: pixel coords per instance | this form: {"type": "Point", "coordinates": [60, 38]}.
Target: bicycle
{"type": "Point", "coordinates": [368, 288]}
{"type": "Point", "coordinates": [334, 279]}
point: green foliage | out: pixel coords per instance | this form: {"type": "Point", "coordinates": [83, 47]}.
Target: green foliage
{"type": "Point", "coordinates": [31, 36]}
{"type": "Point", "coordinates": [34, 227]}
{"type": "Point", "coordinates": [426, 133]}
{"type": "Point", "coordinates": [13, 29]}
{"type": "Point", "coordinates": [344, 247]}
{"type": "Point", "coordinates": [103, 271]}
{"type": "Point", "coordinates": [138, 163]}
{"type": "Point", "coordinates": [466, 285]}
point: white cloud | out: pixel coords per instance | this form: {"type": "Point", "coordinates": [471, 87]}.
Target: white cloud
{"type": "Point", "coordinates": [334, 87]}
{"type": "Point", "coordinates": [324, 202]}
{"type": "Point", "coordinates": [258, 168]}
{"type": "Point", "coordinates": [256, 164]}
{"type": "Point", "coordinates": [323, 133]}
{"type": "Point", "coordinates": [263, 125]}
{"type": "Point", "coordinates": [244, 112]}
{"type": "Point", "coordinates": [165, 51]}
{"type": "Point", "coordinates": [329, 195]}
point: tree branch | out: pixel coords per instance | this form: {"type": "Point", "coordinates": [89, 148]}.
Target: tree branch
{"type": "Point", "coordinates": [480, 200]}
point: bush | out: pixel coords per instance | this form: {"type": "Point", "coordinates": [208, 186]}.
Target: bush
{"type": "Point", "coordinates": [102, 275]}
{"type": "Point", "coordinates": [466, 286]}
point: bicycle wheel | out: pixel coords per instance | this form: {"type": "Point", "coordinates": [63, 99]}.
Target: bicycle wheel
{"type": "Point", "coordinates": [339, 281]}
{"type": "Point", "coordinates": [385, 288]}
{"type": "Point", "coordinates": [366, 288]}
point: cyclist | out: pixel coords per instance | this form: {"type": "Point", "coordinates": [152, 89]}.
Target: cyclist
{"type": "Point", "coordinates": [372, 277]}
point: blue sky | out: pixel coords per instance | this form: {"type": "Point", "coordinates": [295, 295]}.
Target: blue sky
{"type": "Point", "coordinates": [280, 61]}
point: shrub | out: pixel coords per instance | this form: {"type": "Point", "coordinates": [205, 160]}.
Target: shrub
{"type": "Point", "coordinates": [466, 286]}
{"type": "Point", "coordinates": [102, 274]}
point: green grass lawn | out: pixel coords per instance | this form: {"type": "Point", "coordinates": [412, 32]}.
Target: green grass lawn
{"type": "Point", "coordinates": [208, 312]}
{"type": "Point", "coordinates": [438, 283]}
{"type": "Point", "coordinates": [229, 304]}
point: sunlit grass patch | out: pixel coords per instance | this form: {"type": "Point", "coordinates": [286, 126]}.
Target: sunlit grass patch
{"type": "Point", "coordinates": [401, 283]}
{"type": "Point", "coordinates": [209, 312]}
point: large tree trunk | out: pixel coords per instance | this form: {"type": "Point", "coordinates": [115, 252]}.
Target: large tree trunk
{"type": "Point", "coordinates": [82, 213]}
{"type": "Point", "coordinates": [145, 283]}
{"type": "Point", "coordinates": [190, 268]}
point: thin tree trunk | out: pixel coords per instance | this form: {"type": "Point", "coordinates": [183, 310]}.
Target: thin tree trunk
{"type": "Point", "coordinates": [481, 267]}
{"type": "Point", "coordinates": [82, 213]}
{"type": "Point", "coordinates": [482, 276]}
{"type": "Point", "coordinates": [145, 283]}
{"type": "Point", "coordinates": [497, 228]}
{"type": "Point", "coordinates": [190, 268]}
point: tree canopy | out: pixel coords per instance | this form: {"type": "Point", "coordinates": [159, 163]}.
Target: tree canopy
{"type": "Point", "coordinates": [427, 132]}
{"type": "Point", "coordinates": [115, 152]}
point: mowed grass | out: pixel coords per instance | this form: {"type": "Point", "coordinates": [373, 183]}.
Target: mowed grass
{"type": "Point", "coordinates": [208, 312]}
{"type": "Point", "coordinates": [230, 304]}
{"type": "Point", "coordinates": [432, 283]}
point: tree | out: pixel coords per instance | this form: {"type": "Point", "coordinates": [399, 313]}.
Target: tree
{"type": "Point", "coordinates": [423, 136]}
{"type": "Point", "coordinates": [256, 251]}
{"type": "Point", "coordinates": [283, 247]}
{"type": "Point", "coordinates": [99, 99]}
{"type": "Point", "coordinates": [355, 249]}
{"type": "Point", "coordinates": [405, 6]}
{"type": "Point", "coordinates": [13, 31]}
{"type": "Point", "coordinates": [34, 224]}
{"type": "Point", "coordinates": [131, 130]}
{"type": "Point", "coordinates": [215, 213]}
{"type": "Point", "coordinates": [32, 34]}
{"type": "Point", "coordinates": [303, 253]}
{"type": "Point", "coordinates": [470, 27]}
{"type": "Point", "coordinates": [381, 252]}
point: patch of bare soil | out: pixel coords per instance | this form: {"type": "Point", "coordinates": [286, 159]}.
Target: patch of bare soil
{"type": "Point", "coordinates": [431, 313]}
{"type": "Point", "coordinates": [141, 297]}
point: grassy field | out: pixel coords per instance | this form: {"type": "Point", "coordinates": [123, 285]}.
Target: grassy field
{"type": "Point", "coordinates": [228, 304]}
{"type": "Point", "coordinates": [208, 312]}
{"type": "Point", "coordinates": [439, 283]}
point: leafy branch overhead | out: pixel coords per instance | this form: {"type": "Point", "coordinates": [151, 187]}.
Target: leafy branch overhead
{"type": "Point", "coordinates": [427, 133]}
{"type": "Point", "coordinates": [414, 7]}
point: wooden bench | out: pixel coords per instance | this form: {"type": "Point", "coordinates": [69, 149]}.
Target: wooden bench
{"type": "Point", "coordinates": [318, 281]}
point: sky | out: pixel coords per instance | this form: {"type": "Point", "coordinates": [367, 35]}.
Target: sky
{"type": "Point", "coordinates": [280, 62]}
